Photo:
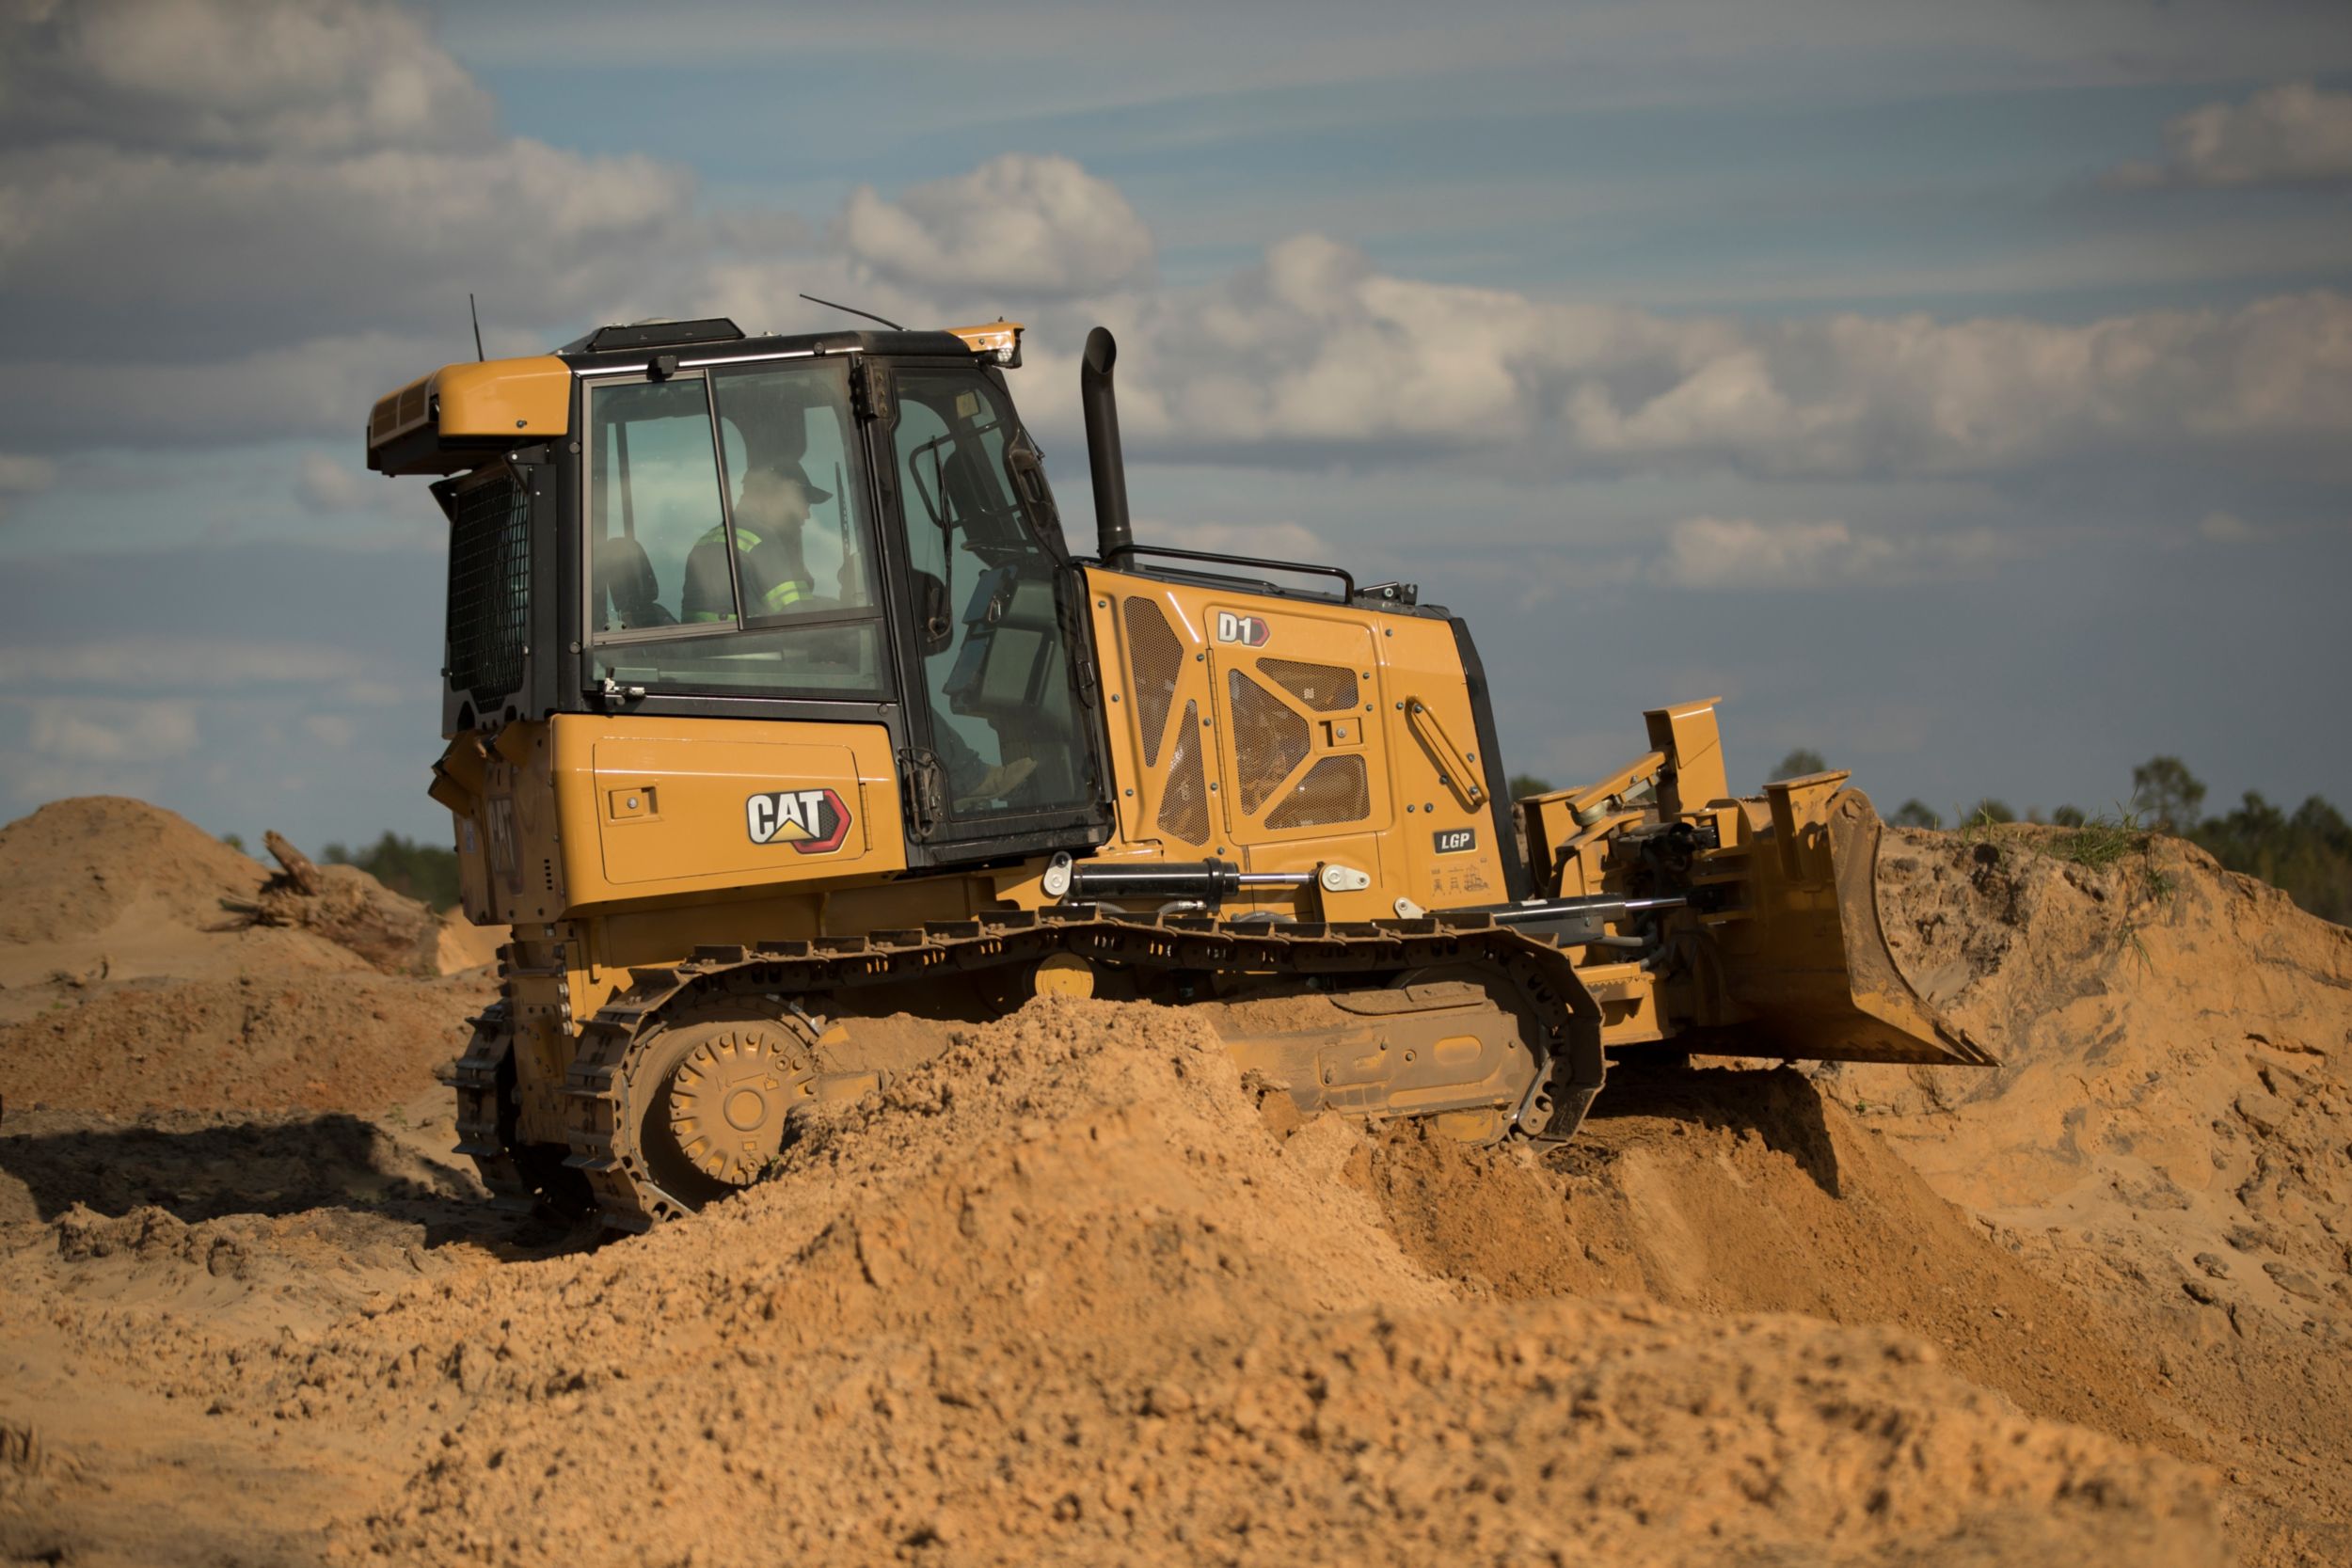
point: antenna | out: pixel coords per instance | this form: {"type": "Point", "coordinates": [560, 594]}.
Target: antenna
{"type": "Point", "coordinates": [476, 314]}
{"type": "Point", "coordinates": [856, 312]}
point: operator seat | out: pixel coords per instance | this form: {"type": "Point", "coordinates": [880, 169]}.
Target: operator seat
{"type": "Point", "coordinates": [626, 577]}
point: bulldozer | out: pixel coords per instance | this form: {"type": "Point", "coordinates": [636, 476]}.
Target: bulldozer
{"type": "Point", "coordinates": [786, 734]}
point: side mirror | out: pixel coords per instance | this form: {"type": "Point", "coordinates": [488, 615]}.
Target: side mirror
{"type": "Point", "coordinates": [934, 621]}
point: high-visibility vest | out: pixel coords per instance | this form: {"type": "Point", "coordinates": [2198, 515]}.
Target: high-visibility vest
{"type": "Point", "coordinates": [788, 591]}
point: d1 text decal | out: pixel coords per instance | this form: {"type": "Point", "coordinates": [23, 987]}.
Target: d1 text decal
{"type": "Point", "coordinates": [1248, 630]}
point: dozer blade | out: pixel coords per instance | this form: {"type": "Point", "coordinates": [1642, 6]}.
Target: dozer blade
{"type": "Point", "coordinates": [1808, 965]}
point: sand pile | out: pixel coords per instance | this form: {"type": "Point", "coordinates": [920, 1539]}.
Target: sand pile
{"type": "Point", "coordinates": [261, 1043]}
{"type": "Point", "coordinates": [1066, 1295]}
{"type": "Point", "coordinates": [75, 867]}
{"type": "Point", "coordinates": [1063, 1295]}
{"type": "Point", "coordinates": [102, 889]}
{"type": "Point", "coordinates": [1747, 1192]}
{"type": "Point", "coordinates": [105, 889]}
{"type": "Point", "coordinates": [2171, 1134]}
{"type": "Point", "coordinates": [459, 945]}
{"type": "Point", "coordinates": [2177, 1077]}
{"type": "Point", "coordinates": [134, 979]}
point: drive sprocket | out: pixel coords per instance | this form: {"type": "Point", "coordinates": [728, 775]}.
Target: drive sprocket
{"type": "Point", "coordinates": [728, 1098]}
{"type": "Point", "coordinates": [696, 1107]}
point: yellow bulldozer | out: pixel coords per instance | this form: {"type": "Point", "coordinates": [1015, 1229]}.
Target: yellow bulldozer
{"type": "Point", "coordinates": [787, 732]}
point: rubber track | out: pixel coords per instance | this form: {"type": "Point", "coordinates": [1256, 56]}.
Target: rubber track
{"type": "Point", "coordinates": [602, 1146]}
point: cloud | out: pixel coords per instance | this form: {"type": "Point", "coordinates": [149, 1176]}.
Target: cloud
{"type": "Point", "coordinates": [1020, 225]}
{"type": "Point", "coordinates": [109, 730]}
{"type": "Point", "coordinates": [232, 76]}
{"type": "Point", "coordinates": [225, 256]}
{"type": "Point", "coordinates": [1740, 554]}
{"type": "Point", "coordinates": [1316, 355]}
{"type": "Point", "coordinates": [238, 218]}
{"type": "Point", "coordinates": [323, 484]}
{"type": "Point", "coordinates": [187, 256]}
{"type": "Point", "coordinates": [321, 385]}
{"type": "Point", "coordinates": [182, 663]}
{"type": "Point", "coordinates": [22, 474]}
{"type": "Point", "coordinates": [31, 781]}
{"type": "Point", "coordinates": [331, 730]}
{"type": "Point", "coordinates": [2295, 133]}
{"type": "Point", "coordinates": [1267, 541]}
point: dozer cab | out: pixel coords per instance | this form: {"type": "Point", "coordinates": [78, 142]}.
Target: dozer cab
{"type": "Point", "coordinates": [786, 731]}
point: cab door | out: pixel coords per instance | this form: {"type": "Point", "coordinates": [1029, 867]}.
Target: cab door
{"type": "Point", "coordinates": [1003, 754]}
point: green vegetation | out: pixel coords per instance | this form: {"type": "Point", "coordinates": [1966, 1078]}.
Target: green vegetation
{"type": "Point", "coordinates": [425, 872]}
{"type": "Point", "coordinates": [1799, 763]}
{"type": "Point", "coordinates": [1916, 813]}
{"type": "Point", "coordinates": [2170, 793]}
{"type": "Point", "coordinates": [2101, 840]}
{"type": "Point", "coordinates": [1524, 785]}
{"type": "Point", "coordinates": [2309, 854]}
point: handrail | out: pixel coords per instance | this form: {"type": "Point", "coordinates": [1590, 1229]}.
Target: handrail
{"type": "Point", "coordinates": [1347, 581]}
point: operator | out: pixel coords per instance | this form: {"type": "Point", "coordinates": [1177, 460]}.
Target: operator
{"type": "Point", "coordinates": [769, 515]}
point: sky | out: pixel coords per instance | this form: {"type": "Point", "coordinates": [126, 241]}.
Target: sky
{"type": "Point", "coordinates": [1961, 392]}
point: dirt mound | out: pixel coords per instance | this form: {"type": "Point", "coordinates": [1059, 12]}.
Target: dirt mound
{"type": "Point", "coordinates": [2177, 1061]}
{"type": "Point", "coordinates": [135, 978]}
{"type": "Point", "coordinates": [459, 945]}
{"type": "Point", "coordinates": [74, 866]}
{"type": "Point", "coordinates": [2170, 1134]}
{"type": "Point", "coordinates": [1062, 1295]}
{"type": "Point", "coordinates": [102, 889]}
{"type": "Point", "coordinates": [1746, 1191]}
{"type": "Point", "coordinates": [360, 1041]}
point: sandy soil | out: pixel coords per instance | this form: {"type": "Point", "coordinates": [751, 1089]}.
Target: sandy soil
{"type": "Point", "coordinates": [1067, 1295]}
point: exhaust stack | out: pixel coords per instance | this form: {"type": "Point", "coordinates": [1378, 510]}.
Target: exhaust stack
{"type": "Point", "coordinates": [1116, 535]}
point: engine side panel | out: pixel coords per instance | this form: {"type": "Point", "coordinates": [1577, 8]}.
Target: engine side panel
{"type": "Point", "coordinates": [1287, 733]}
{"type": "Point", "coordinates": [655, 807]}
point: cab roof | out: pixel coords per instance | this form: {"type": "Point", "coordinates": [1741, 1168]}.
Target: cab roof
{"type": "Point", "coordinates": [702, 341]}
{"type": "Point", "coordinates": [460, 415]}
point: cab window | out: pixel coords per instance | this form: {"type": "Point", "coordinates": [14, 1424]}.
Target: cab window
{"type": "Point", "coordinates": [655, 492]}
{"type": "Point", "coordinates": [728, 541]}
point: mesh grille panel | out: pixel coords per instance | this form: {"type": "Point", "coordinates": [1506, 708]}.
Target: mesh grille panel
{"type": "Point", "coordinates": [1269, 740]}
{"type": "Point", "coordinates": [1185, 809]}
{"type": "Point", "coordinates": [1324, 687]}
{"type": "Point", "coordinates": [490, 589]}
{"type": "Point", "coordinates": [1337, 789]}
{"type": "Point", "coordinates": [1154, 657]}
